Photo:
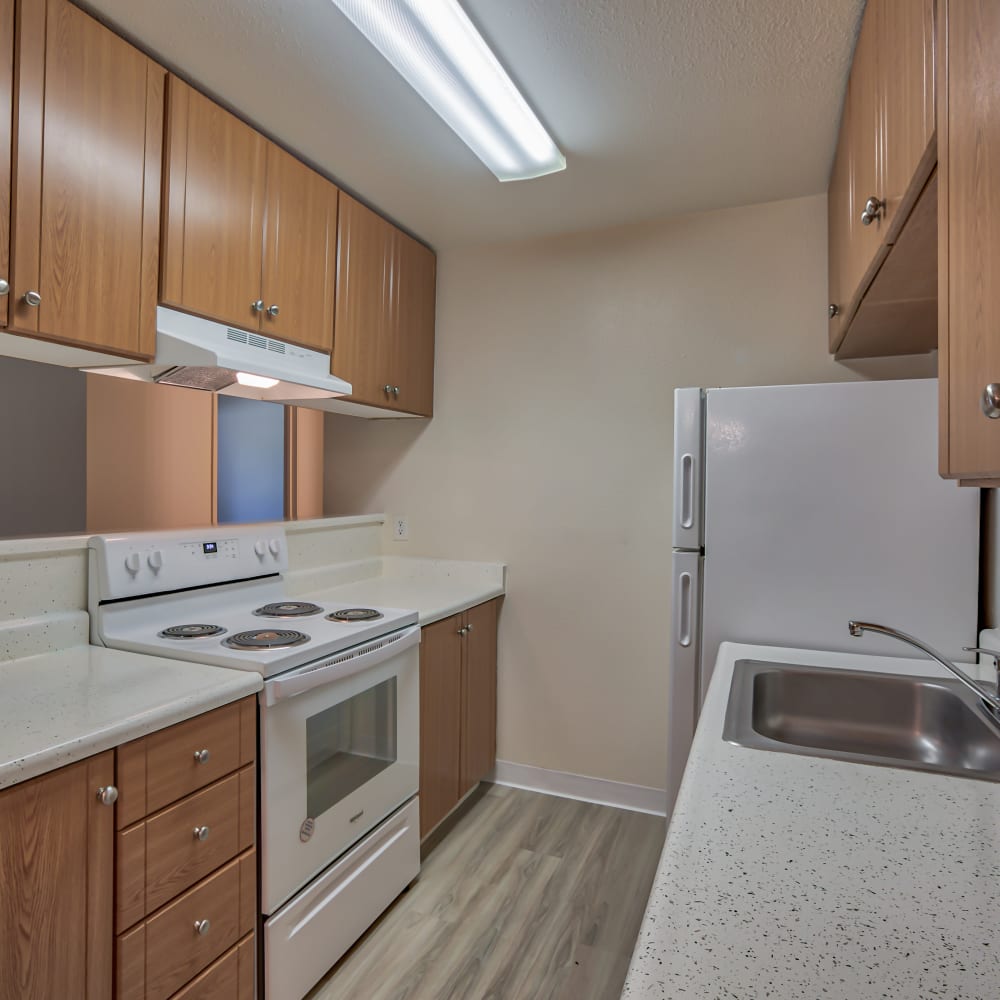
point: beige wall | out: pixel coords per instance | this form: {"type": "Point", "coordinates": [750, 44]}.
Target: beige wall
{"type": "Point", "coordinates": [550, 448]}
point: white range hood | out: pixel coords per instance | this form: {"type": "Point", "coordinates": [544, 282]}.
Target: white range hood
{"type": "Point", "coordinates": [201, 354]}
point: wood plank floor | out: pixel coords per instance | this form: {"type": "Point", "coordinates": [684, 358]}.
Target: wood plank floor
{"type": "Point", "coordinates": [530, 897]}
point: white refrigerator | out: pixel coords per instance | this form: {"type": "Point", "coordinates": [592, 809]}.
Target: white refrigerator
{"type": "Point", "coordinates": [798, 507]}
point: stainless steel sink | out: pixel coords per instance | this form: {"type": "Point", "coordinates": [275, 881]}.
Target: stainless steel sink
{"type": "Point", "coordinates": [886, 719]}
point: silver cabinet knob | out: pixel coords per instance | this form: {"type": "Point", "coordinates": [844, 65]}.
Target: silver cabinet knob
{"type": "Point", "coordinates": [873, 211]}
{"type": "Point", "coordinates": [834, 310]}
{"type": "Point", "coordinates": [462, 630]}
{"type": "Point", "coordinates": [32, 299]}
{"type": "Point", "coordinates": [991, 400]}
{"type": "Point", "coordinates": [201, 833]}
{"type": "Point", "coordinates": [4, 286]}
{"type": "Point", "coordinates": [468, 628]}
{"type": "Point", "coordinates": [273, 310]}
{"type": "Point", "coordinates": [257, 305]}
{"type": "Point", "coordinates": [395, 391]}
{"type": "Point", "coordinates": [201, 756]}
{"type": "Point", "coordinates": [202, 926]}
{"type": "Point", "coordinates": [387, 389]}
{"type": "Point", "coordinates": [107, 795]}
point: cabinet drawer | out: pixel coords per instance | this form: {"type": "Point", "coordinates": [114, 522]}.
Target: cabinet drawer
{"type": "Point", "coordinates": [166, 951]}
{"type": "Point", "coordinates": [166, 766]}
{"type": "Point", "coordinates": [229, 978]}
{"type": "Point", "coordinates": [164, 855]}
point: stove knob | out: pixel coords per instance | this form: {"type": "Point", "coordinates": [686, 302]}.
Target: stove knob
{"type": "Point", "coordinates": [155, 560]}
{"type": "Point", "coordinates": [132, 563]}
{"type": "Point", "coordinates": [273, 547]}
{"type": "Point", "coordinates": [258, 547]}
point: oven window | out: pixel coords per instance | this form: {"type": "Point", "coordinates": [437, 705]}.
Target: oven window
{"type": "Point", "coordinates": [348, 744]}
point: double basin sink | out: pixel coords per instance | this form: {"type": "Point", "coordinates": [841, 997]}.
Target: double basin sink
{"type": "Point", "coordinates": [891, 720]}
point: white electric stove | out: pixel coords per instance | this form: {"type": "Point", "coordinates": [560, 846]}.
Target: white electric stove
{"type": "Point", "coordinates": [339, 718]}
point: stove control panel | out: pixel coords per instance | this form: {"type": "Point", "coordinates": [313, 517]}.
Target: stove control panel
{"type": "Point", "coordinates": [139, 564]}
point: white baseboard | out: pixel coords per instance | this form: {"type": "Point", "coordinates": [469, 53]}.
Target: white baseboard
{"type": "Point", "coordinates": [637, 798]}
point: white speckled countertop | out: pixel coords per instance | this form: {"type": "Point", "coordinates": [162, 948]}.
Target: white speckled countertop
{"type": "Point", "coordinates": [434, 588]}
{"type": "Point", "coordinates": [797, 878]}
{"type": "Point", "coordinates": [62, 706]}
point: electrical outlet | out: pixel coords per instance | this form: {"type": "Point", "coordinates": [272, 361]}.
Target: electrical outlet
{"type": "Point", "coordinates": [400, 529]}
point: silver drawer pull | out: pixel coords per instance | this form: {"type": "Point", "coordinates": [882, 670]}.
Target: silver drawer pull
{"type": "Point", "coordinates": [990, 400]}
{"type": "Point", "coordinates": [201, 833]}
{"type": "Point", "coordinates": [32, 299]}
{"type": "Point", "coordinates": [202, 927]}
{"type": "Point", "coordinates": [201, 756]}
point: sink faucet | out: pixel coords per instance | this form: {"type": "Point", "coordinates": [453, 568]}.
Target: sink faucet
{"type": "Point", "coordinates": [992, 700]}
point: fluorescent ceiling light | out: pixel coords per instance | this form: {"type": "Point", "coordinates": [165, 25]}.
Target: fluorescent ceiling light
{"type": "Point", "coordinates": [436, 49]}
{"type": "Point", "coordinates": [255, 381]}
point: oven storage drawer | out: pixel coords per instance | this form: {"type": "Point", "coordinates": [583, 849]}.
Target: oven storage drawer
{"type": "Point", "coordinates": [311, 932]}
{"type": "Point", "coordinates": [167, 853]}
{"type": "Point", "coordinates": [167, 765]}
{"type": "Point", "coordinates": [163, 953]}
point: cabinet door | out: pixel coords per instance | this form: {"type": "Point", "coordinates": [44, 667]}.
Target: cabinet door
{"type": "Point", "coordinates": [906, 75]}
{"type": "Point", "coordinates": [86, 182]}
{"type": "Point", "coordinates": [414, 271]}
{"type": "Point", "coordinates": [57, 873]}
{"type": "Point", "coordinates": [863, 116]}
{"type": "Point", "coordinates": [213, 210]}
{"type": "Point", "coordinates": [479, 696]}
{"type": "Point", "coordinates": [839, 228]}
{"type": "Point", "coordinates": [300, 255]}
{"type": "Point", "coordinates": [362, 348]}
{"type": "Point", "coordinates": [441, 649]}
{"type": "Point", "coordinates": [968, 234]}
{"type": "Point", "coordinates": [6, 124]}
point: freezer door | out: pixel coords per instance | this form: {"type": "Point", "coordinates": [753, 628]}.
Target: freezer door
{"type": "Point", "coordinates": [683, 686]}
{"type": "Point", "coordinates": [688, 451]}
{"type": "Point", "coordinates": [823, 503]}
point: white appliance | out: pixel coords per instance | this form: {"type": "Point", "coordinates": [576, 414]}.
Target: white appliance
{"type": "Point", "coordinates": [798, 507]}
{"type": "Point", "coordinates": [201, 354]}
{"type": "Point", "coordinates": [339, 723]}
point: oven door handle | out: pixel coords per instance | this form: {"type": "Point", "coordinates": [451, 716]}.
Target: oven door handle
{"type": "Point", "coordinates": [344, 664]}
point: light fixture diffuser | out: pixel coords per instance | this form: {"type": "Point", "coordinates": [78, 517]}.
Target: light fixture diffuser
{"type": "Point", "coordinates": [437, 50]}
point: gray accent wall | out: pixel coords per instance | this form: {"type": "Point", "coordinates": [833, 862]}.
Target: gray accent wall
{"type": "Point", "coordinates": [43, 449]}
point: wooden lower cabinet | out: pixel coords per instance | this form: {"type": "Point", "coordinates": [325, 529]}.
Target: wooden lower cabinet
{"type": "Point", "coordinates": [186, 895]}
{"type": "Point", "coordinates": [57, 879]}
{"type": "Point", "coordinates": [458, 684]}
{"type": "Point", "coordinates": [178, 885]}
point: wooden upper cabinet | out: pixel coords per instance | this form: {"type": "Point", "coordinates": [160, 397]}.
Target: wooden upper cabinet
{"type": "Point", "coordinates": [839, 229]}
{"type": "Point", "coordinates": [968, 235]}
{"type": "Point", "coordinates": [863, 118]}
{"type": "Point", "coordinates": [300, 262]}
{"type": "Point", "coordinates": [362, 348]}
{"type": "Point", "coordinates": [86, 183]}
{"type": "Point", "coordinates": [250, 232]}
{"type": "Point", "coordinates": [6, 136]}
{"type": "Point", "coordinates": [906, 75]}
{"type": "Point", "coordinates": [213, 210]}
{"type": "Point", "coordinates": [384, 332]}
{"type": "Point", "coordinates": [414, 276]}
{"type": "Point", "coordinates": [886, 152]}
{"type": "Point", "coordinates": [57, 873]}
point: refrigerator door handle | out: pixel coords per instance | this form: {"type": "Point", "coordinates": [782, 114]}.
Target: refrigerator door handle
{"type": "Point", "coordinates": [684, 598]}
{"type": "Point", "coordinates": [687, 491]}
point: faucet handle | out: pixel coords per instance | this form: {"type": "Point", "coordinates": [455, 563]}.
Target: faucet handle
{"type": "Point", "coordinates": [985, 652]}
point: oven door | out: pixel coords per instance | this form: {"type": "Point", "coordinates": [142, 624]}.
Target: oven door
{"type": "Point", "coordinates": [339, 752]}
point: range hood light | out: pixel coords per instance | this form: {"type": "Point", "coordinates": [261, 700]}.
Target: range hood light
{"type": "Point", "coordinates": [255, 381]}
{"type": "Point", "coordinates": [438, 51]}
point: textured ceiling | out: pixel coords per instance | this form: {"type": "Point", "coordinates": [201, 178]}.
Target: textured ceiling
{"type": "Point", "coordinates": [660, 107]}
